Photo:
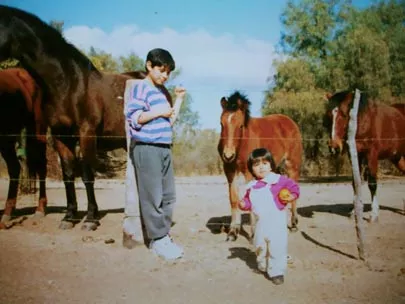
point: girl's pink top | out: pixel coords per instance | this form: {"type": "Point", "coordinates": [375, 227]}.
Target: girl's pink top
{"type": "Point", "coordinates": [275, 185]}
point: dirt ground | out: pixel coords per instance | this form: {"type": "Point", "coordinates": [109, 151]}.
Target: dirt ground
{"type": "Point", "coordinates": [41, 264]}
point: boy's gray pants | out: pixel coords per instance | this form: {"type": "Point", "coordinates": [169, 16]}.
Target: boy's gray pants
{"type": "Point", "coordinates": [156, 187]}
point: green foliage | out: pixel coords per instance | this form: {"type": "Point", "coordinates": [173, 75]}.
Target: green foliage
{"type": "Point", "coordinates": [58, 25]}
{"type": "Point", "coordinates": [195, 152]}
{"type": "Point", "coordinates": [9, 63]}
{"type": "Point", "coordinates": [103, 61]}
{"type": "Point", "coordinates": [131, 63]}
{"type": "Point", "coordinates": [333, 46]}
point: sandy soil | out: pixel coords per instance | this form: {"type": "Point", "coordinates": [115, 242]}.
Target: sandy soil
{"type": "Point", "coordinates": [41, 264]}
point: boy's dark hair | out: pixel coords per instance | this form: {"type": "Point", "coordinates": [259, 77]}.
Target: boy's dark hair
{"type": "Point", "coordinates": [258, 154]}
{"type": "Point", "coordinates": [161, 58]}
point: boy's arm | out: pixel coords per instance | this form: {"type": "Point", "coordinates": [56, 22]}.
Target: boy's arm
{"type": "Point", "coordinates": [135, 104]}
{"type": "Point", "coordinates": [180, 93]}
{"type": "Point", "coordinates": [176, 110]}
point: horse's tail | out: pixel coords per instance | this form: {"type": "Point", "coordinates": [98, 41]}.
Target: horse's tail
{"type": "Point", "coordinates": [280, 167]}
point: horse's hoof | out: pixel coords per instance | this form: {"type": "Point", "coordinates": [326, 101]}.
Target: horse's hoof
{"type": "Point", "coordinates": [65, 225]}
{"type": "Point", "coordinates": [231, 237]}
{"type": "Point", "coordinates": [5, 218]}
{"type": "Point", "coordinates": [38, 215]}
{"type": "Point", "coordinates": [373, 219]}
{"type": "Point", "coordinates": [90, 226]}
{"type": "Point", "coordinates": [128, 241]}
{"type": "Point", "coordinates": [294, 229]}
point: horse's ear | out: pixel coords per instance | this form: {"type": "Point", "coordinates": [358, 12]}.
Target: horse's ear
{"type": "Point", "coordinates": [223, 102]}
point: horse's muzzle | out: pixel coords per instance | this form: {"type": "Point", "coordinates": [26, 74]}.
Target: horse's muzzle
{"type": "Point", "coordinates": [228, 157]}
{"type": "Point", "coordinates": [335, 146]}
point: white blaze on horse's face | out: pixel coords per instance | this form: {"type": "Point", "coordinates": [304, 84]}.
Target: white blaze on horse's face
{"type": "Point", "coordinates": [339, 127]}
{"type": "Point", "coordinates": [334, 115]}
{"type": "Point", "coordinates": [231, 133]}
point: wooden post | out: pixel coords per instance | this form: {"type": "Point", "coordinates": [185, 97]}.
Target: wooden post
{"type": "Point", "coordinates": [132, 210]}
{"type": "Point", "coordinates": [358, 202]}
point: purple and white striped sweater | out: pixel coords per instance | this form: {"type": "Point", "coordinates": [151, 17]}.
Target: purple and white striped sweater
{"type": "Point", "coordinates": [146, 97]}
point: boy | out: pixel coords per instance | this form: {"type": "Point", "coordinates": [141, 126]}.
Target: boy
{"type": "Point", "coordinates": [151, 116]}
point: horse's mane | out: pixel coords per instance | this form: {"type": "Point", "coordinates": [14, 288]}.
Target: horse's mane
{"type": "Point", "coordinates": [339, 97]}
{"type": "Point", "coordinates": [51, 38]}
{"type": "Point", "coordinates": [232, 104]}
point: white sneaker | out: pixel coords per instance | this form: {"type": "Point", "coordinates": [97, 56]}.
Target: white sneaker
{"type": "Point", "coordinates": [166, 249]}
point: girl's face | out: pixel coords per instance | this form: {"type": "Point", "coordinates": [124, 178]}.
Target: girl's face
{"type": "Point", "coordinates": [261, 167]}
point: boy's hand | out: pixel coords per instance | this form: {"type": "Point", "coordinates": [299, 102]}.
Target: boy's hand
{"type": "Point", "coordinates": [180, 92]}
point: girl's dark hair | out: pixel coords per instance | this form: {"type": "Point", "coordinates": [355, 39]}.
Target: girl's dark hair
{"type": "Point", "coordinates": [160, 58]}
{"type": "Point", "coordinates": [258, 154]}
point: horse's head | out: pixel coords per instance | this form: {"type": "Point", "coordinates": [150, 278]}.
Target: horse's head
{"type": "Point", "coordinates": [336, 118]}
{"type": "Point", "coordinates": [234, 118]}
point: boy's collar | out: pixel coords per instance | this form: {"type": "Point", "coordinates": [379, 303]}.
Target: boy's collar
{"type": "Point", "coordinates": [148, 81]}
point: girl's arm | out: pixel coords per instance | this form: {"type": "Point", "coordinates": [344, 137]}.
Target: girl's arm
{"type": "Point", "coordinates": [292, 187]}
{"type": "Point", "coordinates": [245, 204]}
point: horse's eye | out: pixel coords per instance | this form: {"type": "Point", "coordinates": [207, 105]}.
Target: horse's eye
{"type": "Point", "coordinates": [241, 127]}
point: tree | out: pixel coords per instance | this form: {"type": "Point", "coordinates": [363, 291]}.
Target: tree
{"type": "Point", "coordinates": [58, 25]}
{"type": "Point", "coordinates": [103, 61]}
{"type": "Point", "coordinates": [131, 62]}
{"type": "Point", "coordinates": [309, 26]}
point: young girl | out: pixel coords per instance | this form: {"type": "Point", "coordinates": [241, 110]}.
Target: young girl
{"type": "Point", "coordinates": [267, 196]}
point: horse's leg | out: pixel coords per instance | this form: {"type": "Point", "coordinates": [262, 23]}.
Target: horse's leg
{"type": "Point", "coordinates": [233, 190]}
{"type": "Point", "coordinates": [293, 173]}
{"type": "Point", "coordinates": [13, 166]}
{"type": "Point", "coordinates": [88, 150]}
{"type": "Point", "coordinates": [400, 163]}
{"type": "Point", "coordinates": [36, 162]}
{"type": "Point", "coordinates": [66, 150]}
{"type": "Point", "coordinates": [372, 184]}
{"type": "Point", "coordinates": [42, 172]}
{"type": "Point", "coordinates": [235, 224]}
{"type": "Point", "coordinates": [92, 220]}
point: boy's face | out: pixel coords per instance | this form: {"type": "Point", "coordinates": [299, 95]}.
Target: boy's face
{"type": "Point", "coordinates": [158, 74]}
{"type": "Point", "coordinates": [261, 167]}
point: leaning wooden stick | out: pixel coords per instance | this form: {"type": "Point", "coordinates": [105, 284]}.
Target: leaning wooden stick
{"type": "Point", "coordinates": [132, 221]}
{"type": "Point", "coordinates": [358, 202]}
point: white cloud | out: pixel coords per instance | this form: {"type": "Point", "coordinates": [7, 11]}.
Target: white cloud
{"type": "Point", "coordinates": [203, 57]}
{"type": "Point", "coordinates": [212, 65]}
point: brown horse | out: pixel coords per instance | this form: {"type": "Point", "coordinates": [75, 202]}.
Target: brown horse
{"type": "Point", "coordinates": [20, 100]}
{"type": "Point", "coordinates": [240, 134]}
{"type": "Point", "coordinates": [380, 135]}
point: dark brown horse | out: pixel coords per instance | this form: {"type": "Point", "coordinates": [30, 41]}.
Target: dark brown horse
{"type": "Point", "coordinates": [81, 105]}
{"type": "Point", "coordinates": [20, 100]}
{"type": "Point", "coordinates": [380, 135]}
{"type": "Point", "coordinates": [240, 134]}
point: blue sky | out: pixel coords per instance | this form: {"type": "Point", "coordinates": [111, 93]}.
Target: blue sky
{"type": "Point", "coordinates": [221, 45]}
